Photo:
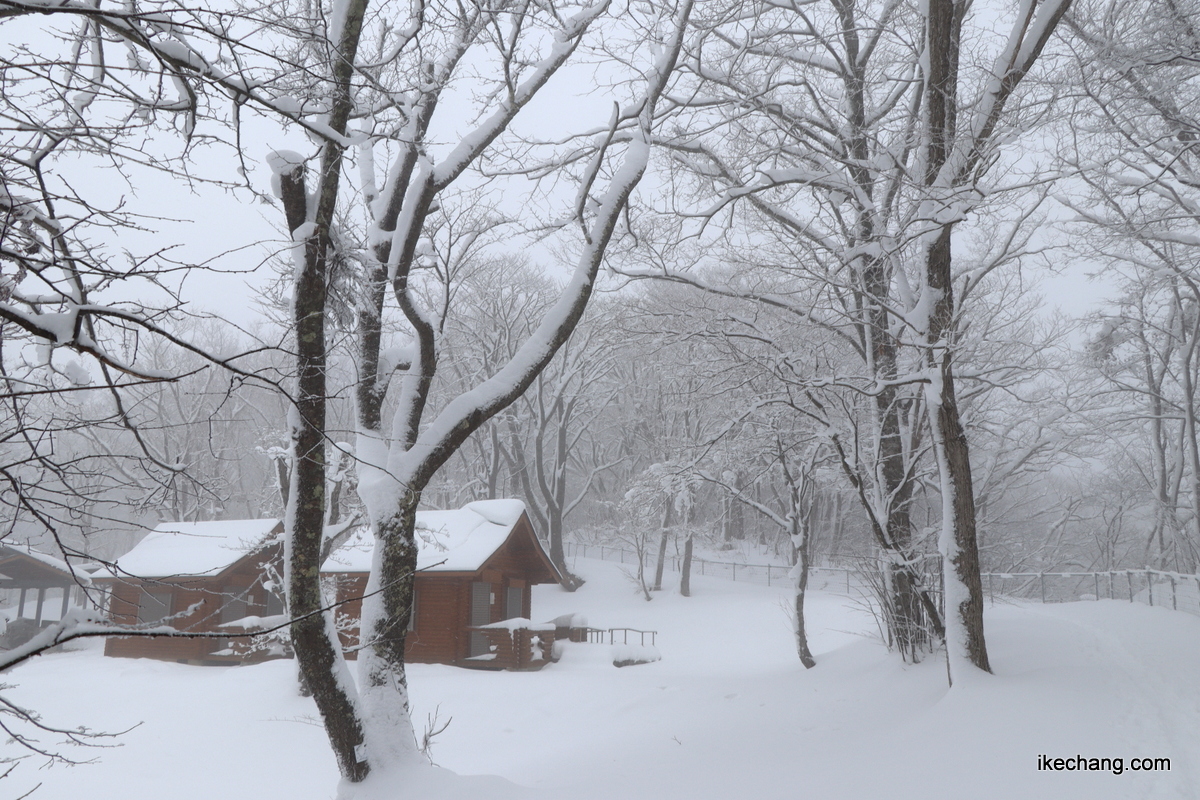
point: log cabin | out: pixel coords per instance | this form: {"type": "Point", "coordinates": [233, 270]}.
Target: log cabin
{"type": "Point", "coordinates": [195, 576]}
{"type": "Point", "coordinates": [476, 566]}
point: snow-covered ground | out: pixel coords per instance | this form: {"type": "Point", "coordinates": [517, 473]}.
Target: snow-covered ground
{"type": "Point", "coordinates": [727, 713]}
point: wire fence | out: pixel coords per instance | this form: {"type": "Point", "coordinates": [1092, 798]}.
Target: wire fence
{"type": "Point", "coordinates": [1160, 588]}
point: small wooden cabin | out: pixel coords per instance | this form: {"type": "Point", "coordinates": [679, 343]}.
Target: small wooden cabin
{"type": "Point", "coordinates": [477, 565]}
{"type": "Point", "coordinates": [220, 570]}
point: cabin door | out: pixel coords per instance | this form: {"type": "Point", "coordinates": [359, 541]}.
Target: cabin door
{"type": "Point", "coordinates": [481, 614]}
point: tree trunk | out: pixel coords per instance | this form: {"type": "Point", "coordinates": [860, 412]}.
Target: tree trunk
{"type": "Point", "coordinates": [800, 573]}
{"type": "Point", "coordinates": [685, 580]}
{"type": "Point", "coordinates": [662, 548]}
{"type": "Point", "coordinates": [958, 544]}
{"type": "Point", "coordinates": [386, 611]}
{"type": "Point", "coordinates": [314, 637]}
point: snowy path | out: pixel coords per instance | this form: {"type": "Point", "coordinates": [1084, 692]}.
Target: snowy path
{"type": "Point", "coordinates": [727, 713]}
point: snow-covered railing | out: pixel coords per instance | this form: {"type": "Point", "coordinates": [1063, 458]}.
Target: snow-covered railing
{"type": "Point", "coordinates": [1164, 589]}
{"type": "Point", "coordinates": [597, 635]}
{"type": "Point", "coordinates": [1174, 590]}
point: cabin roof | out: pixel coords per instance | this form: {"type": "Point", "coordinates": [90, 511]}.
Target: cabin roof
{"type": "Point", "coordinates": [461, 540]}
{"type": "Point", "coordinates": [194, 549]}
{"type": "Point", "coordinates": [26, 564]}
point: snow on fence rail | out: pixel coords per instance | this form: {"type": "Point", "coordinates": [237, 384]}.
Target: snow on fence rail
{"type": "Point", "coordinates": [1175, 590]}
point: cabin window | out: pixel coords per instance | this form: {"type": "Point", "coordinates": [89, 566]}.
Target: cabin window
{"type": "Point", "coordinates": [412, 614]}
{"type": "Point", "coordinates": [274, 605]}
{"type": "Point", "coordinates": [234, 603]}
{"type": "Point", "coordinates": [154, 605]}
{"type": "Point", "coordinates": [515, 607]}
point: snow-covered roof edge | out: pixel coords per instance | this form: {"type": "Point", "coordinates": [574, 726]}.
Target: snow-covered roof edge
{"type": "Point", "coordinates": [194, 549]}
{"type": "Point", "coordinates": [57, 564]}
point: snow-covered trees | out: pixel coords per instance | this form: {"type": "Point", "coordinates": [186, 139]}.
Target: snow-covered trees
{"type": "Point", "coordinates": [828, 142]}
{"type": "Point", "coordinates": [362, 88]}
{"type": "Point", "coordinates": [404, 177]}
{"type": "Point", "coordinates": [1137, 157]}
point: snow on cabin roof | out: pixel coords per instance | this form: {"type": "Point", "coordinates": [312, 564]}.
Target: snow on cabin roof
{"type": "Point", "coordinates": [50, 561]}
{"type": "Point", "coordinates": [447, 541]}
{"type": "Point", "coordinates": [194, 548]}
{"type": "Point", "coordinates": [57, 564]}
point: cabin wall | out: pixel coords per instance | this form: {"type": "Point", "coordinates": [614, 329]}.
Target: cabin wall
{"type": "Point", "coordinates": [440, 633]}
{"type": "Point", "coordinates": [244, 578]}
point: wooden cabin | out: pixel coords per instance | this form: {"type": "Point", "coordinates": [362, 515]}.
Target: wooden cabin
{"type": "Point", "coordinates": [221, 571]}
{"type": "Point", "coordinates": [35, 590]}
{"type": "Point", "coordinates": [477, 565]}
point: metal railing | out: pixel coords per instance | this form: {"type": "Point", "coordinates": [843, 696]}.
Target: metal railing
{"type": "Point", "coordinates": [1160, 588]}
{"type": "Point", "coordinates": [596, 635]}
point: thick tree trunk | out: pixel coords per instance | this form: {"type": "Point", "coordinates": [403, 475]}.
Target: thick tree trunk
{"type": "Point", "coordinates": [314, 638]}
{"type": "Point", "coordinates": [685, 579]}
{"type": "Point", "coordinates": [958, 544]}
{"type": "Point", "coordinates": [386, 612]}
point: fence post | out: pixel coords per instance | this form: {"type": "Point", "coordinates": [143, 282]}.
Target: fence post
{"type": "Point", "coordinates": [1174, 602]}
{"type": "Point", "coordinates": [847, 572]}
{"type": "Point", "coordinates": [1129, 580]}
{"type": "Point", "coordinates": [734, 572]}
{"type": "Point", "coordinates": [1096, 575]}
{"type": "Point", "coordinates": [768, 574]}
{"type": "Point", "coordinates": [1110, 585]}
{"type": "Point", "coordinates": [1150, 587]}
{"type": "Point", "coordinates": [1042, 576]}
{"type": "Point", "coordinates": [991, 593]}
{"type": "Point", "coordinates": [701, 565]}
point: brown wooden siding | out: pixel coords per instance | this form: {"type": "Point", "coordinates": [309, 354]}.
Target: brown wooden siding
{"type": "Point", "coordinates": [208, 592]}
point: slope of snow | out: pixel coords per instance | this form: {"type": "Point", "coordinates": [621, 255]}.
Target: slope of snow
{"type": "Point", "coordinates": [728, 711]}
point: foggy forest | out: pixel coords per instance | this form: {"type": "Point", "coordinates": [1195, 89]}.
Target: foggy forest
{"type": "Point", "coordinates": [847, 349]}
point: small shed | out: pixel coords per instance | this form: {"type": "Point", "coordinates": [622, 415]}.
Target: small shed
{"type": "Point", "coordinates": [476, 566]}
{"type": "Point", "coordinates": [201, 574]}
{"type": "Point", "coordinates": [37, 589]}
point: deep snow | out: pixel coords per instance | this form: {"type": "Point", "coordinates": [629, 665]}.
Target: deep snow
{"type": "Point", "coordinates": [727, 713]}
